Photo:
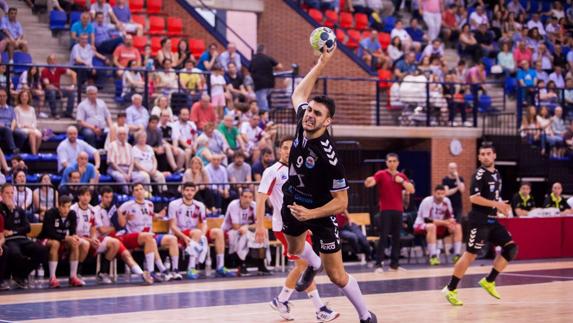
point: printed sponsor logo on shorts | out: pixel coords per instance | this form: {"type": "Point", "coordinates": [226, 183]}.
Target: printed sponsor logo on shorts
{"type": "Point", "coordinates": [327, 245]}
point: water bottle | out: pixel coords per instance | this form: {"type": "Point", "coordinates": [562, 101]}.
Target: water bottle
{"type": "Point", "coordinates": [41, 273]}
{"type": "Point", "coordinates": [149, 64]}
{"type": "Point", "coordinates": [127, 273]}
{"type": "Point", "coordinates": [208, 264]}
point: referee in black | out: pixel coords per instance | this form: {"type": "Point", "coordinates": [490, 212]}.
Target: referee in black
{"type": "Point", "coordinates": [484, 227]}
{"type": "Point", "coordinates": [316, 190]}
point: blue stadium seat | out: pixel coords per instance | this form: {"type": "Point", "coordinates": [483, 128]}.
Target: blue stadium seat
{"type": "Point", "coordinates": [48, 157]}
{"type": "Point", "coordinates": [58, 20]}
{"type": "Point", "coordinates": [74, 16]}
{"type": "Point", "coordinates": [56, 179]}
{"type": "Point", "coordinates": [33, 178]}
{"type": "Point", "coordinates": [118, 91]}
{"type": "Point", "coordinates": [469, 99]}
{"type": "Point", "coordinates": [510, 85]}
{"type": "Point", "coordinates": [57, 138]}
{"type": "Point", "coordinates": [156, 199]}
{"type": "Point", "coordinates": [174, 178]}
{"type": "Point", "coordinates": [30, 157]}
{"type": "Point", "coordinates": [105, 179]}
{"type": "Point", "coordinates": [9, 179]}
{"type": "Point", "coordinates": [534, 6]}
{"type": "Point", "coordinates": [15, 80]}
{"type": "Point", "coordinates": [21, 58]}
{"type": "Point", "coordinates": [489, 62]}
{"type": "Point", "coordinates": [485, 103]}
{"type": "Point", "coordinates": [389, 23]}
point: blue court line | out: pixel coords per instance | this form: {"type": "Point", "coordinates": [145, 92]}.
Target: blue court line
{"type": "Point", "coordinates": [157, 302]}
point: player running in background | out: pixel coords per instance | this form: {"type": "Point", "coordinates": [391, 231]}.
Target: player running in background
{"type": "Point", "coordinates": [188, 222]}
{"type": "Point", "coordinates": [316, 190]}
{"type": "Point", "coordinates": [484, 227]}
{"type": "Point", "coordinates": [104, 212]}
{"type": "Point", "coordinates": [271, 188]}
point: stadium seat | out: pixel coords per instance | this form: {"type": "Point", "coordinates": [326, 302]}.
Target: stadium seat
{"type": "Point", "coordinates": [155, 45]}
{"type": "Point", "coordinates": [353, 39]}
{"type": "Point", "coordinates": [105, 179]}
{"type": "Point", "coordinates": [331, 18]}
{"type": "Point", "coordinates": [15, 80]}
{"type": "Point", "coordinates": [80, 3]}
{"type": "Point", "coordinates": [58, 20]}
{"type": "Point", "coordinates": [174, 26]}
{"type": "Point", "coordinates": [21, 58]}
{"type": "Point", "coordinates": [485, 103]}
{"type": "Point", "coordinates": [154, 7]}
{"type": "Point", "coordinates": [534, 6]}
{"type": "Point", "coordinates": [366, 34]}
{"type": "Point", "coordinates": [197, 47]}
{"type": "Point", "coordinates": [385, 76]}
{"type": "Point", "coordinates": [139, 19]}
{"type": "Point", "coordinates": [389, 23]}
{"type": "Point", "coordinates": [139, 42]}
{"type": "Point", "coordinates": [361, 21]}
{"type": "Point", "coordinates": [174, 44]}
{"type": "Point", "coordinates": [111, 3]}
{"type": "Point", "coordinates": [156, 26]}
{"type": "Point", "coordinates": [174, 178]}
{"type": "Point", "coordinates": [136, 6]}
{"type": "Point", "coordinates": [56, 179]}
{"type": "Point", "coordinates": [50, 157]}
{"type": "Point", "coordinates": [384, 39]}
{"type": "Point", "coordinates": [74, 16]}
{"type": "Point", "coordinates": [346, 21]}
{"type": "Point", "coordinates": [316, 15]}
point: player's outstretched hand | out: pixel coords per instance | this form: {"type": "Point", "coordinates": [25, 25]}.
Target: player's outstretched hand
{"type": "Point", "coordinates": [503, 207]}
{"type": "Point", "coordinates": [326, 55]}
{"type": "Point", "coordinates": [300, 212]}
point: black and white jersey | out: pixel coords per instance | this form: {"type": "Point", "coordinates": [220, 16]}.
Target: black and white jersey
{"type": "Point", "coordinates": [314, 169]}
{"type": "Point", "coordinates": [487, 185]}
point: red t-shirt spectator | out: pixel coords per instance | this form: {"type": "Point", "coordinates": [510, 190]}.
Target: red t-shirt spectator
{"type": "Point", "coordinates": [389, 192]}
{"type": "Point", "coordinates": [341, 220]}
{"type": "Point", "coordinates": [53, 76]}
{"type": "Point", "coordinates": [125, 54]}
{"type": "Point", "coordinates": [201, 116]}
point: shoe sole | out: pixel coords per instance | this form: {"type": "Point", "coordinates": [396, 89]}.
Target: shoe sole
{"type": "Point", "coordinates": [447, 299]}
{"type": "Point", "coordinates": [332, 319]}
{"type": "Point", "coordinates": [287, 318]}
{"type": "Point", "coordinates": [492, 295]}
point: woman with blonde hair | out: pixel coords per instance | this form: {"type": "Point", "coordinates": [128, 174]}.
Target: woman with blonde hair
{"type": "Point", "coordinates": [162, 104]}
{"type": "Point", "coordinates": [26, 121]}
{"type": "Point", "coordinates": [196, 173]}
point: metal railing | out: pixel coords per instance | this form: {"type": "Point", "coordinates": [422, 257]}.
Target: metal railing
{"type": "Point", "coordinates": [531, 95]}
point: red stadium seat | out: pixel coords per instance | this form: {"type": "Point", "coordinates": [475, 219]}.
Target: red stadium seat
{"type": "Point", "coordinates": [174, 44]}
{"type": "Point", "coordinates": [139, 42]}
{"type": "Point", "coordinates": [384, 39]}
{"type": "Point", "coordinates": [197, 47]}
{"type": "Point", "coordinates": [136, 6]}
{"type": "Point", "coordinates": [346, 20]}
{"type": "Point", "coordinates": [112, 3]}
{"type": "Point", "coordinates": [353, 39]}
{"type": "Point", "coordinates": [331, 18]}
{"type": "Point", "coordinates": [361, 21]}
{"type": "Point", "coordinates": [385, 76]}
{"type": "Point", "coordinates": [155, 45]}
{"type": "Point", "coordinates": [81, 3]}
{"type": "Point", "coordinates": [156, 26]}
{"type": "Point", "coordinates": [174, 26]}
{"type": "Point", "coordinates": [366, 34]}
{"type": "Point", "coordinates": [154, 6]}
{"type": "Point", "coordinates": [316, 15]}
{"type": "Point", "coordinates": [138, 19]}
{"type": "Point", "coordinates": [340, 36]}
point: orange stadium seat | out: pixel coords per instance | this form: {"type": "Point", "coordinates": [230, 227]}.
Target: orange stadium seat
{"type": "Point", "coordinates": [155, 45]}
{"type": "Point", "coordinates": [361, 21]}
{"type": "Point", "coordinates": [154, 6]}
{"type": "Point", "coordinates": [156, 26]}
{"type": "Point", "coordinates": [174, 44]}
{"type": "Point", "coordinates": [136, 6]}
{"type": "Point", "coordinates": [331, 18]}
{"type": "Point", "coordinates": [384, 39]}
{"type": "Point", "coordinates": [340, 35]}
{"type": "Point", "coordinates": [139, 19]}
{"type": "Point", "coordinates": [316, 15]}
{"type": "Point", "coordinates": [174, 26]}
{"type": "Point", "coordinates": [353, 39]}
{"type": "Point", "coordinates": [139, 42]}
{"type": "Point", "coordinates": [197, 47]}
{"type": "Point", "coordinates": [346, 20]}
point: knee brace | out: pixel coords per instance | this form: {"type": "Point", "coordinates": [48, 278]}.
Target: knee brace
{"type": "Point", "coordinates": [509, 251]}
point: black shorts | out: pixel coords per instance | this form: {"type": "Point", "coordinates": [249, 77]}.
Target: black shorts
{"type": "Point", "coordinates": [481, 233]}
{"type": "Point", "coordinates": [324, 230]}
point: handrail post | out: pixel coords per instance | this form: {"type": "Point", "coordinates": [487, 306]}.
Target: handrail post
{"type": "Point", "coordinates": [8, 83]}
{"type": "Point", "coordinates": [146, 87]}
{"type": "Point", "coordinates": [428, 104]}
{"type": "Point", "coordinates": [378, 92]}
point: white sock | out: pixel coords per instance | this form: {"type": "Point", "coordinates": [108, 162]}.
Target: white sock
{"type": "Point", "coordinates": [432, 249]}
{"type": "Point", "coordinates": [149, 261]}
{"type": "Point", "coordinates": [136, 269]}
{"type": "Point", "coordinates": [285, 294]}
{"type": "Point", "coordinates": [354, 295]}
{"type": "Point", "coordinates": [457, 247]}
{"type": "Point", "coordinates": [175, 263]}
{"type": "Point", "coordinates": [220, 261]}
{"type": "Point", "coordinates": [192, 263]}
{"type": "Point", "coordinates": [310, 256]}
{"type": "Point", "coordinates": [160, 265]}
{"type": "Point", "coordinates": [52, 266]}
{"type": "Point", "coordinates": [74, 268]}
{"type": "Point", "coordinates": [315, 299]}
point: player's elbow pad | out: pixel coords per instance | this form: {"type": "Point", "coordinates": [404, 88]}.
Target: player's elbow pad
{"type": "Point", "coordinates": [509, 252]}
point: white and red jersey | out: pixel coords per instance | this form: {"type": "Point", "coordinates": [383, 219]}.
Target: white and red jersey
{"type": "Point", "coordinates": [103, 216]}
{"type": "Point", "coordinates": [237, 215]}
{"type": "Point", "coordinates": [436, 211]}
{"type": "Point", "coordinates": [141, 215]}
{"type": "Point", "coordinates": [85, 219]}
{"type": "Point", "coordinates": [187, 216]}
{"type": "Point", "coordinates": [272, 185]}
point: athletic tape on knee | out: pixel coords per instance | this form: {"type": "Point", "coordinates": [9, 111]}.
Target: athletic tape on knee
{"type": "Point", "coordinates": [509, 251]}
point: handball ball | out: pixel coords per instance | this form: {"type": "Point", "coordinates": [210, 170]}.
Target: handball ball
{"type": "Point", "coordinates": [322, 37]}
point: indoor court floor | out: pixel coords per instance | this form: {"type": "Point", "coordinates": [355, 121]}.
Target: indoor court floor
{"type": "Point", "coordinates": [539, 291]}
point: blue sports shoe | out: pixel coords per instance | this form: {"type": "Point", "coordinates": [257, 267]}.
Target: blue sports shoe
{"type": "Point", "coordinates": [224, 272]}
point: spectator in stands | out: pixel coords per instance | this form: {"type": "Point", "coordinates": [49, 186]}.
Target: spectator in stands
{"type": "Point", "coordinates": [31, 80]}
{"type": "Point", "coordinates": [478, 17]}
{"type": "Point", "coordinates": [163, 150]}
{"type": "Point", "coordinates": [132, 80]}
{"type": "Point", "coordinates": [216, 141]}
{"type": "Point", "coordinates": [83, 55]}
{"type": "Point", "coordinates": [184, 54]}
{"type": "Point", "coordinates": [44, 197]}
{"type": "Point", "coordinates": [514, 6]}
{"type": "Point", "coordinates": [88, 172]}
{"type": "Point", "coordinates": [370, 50]}
{"type": "Point", "coordinates": [219, 94]}
{"type": "Point", "coordinates": [568, 138]}
{"type": "Point", "coordinates": [162, 104]}
{"type": "Point", "coordinates": [522, 53]}
{"type": "Point", "coordinates": [230, 56]}
{"type": "Point", "coordinates": [556, 133]}
{"type": "Point", "coordinates": [406, 66]}
{"type": "Point", "coordinates": [231, 133]}
{"type": "Point", "coordinates": [543, 56]}
{"type": "Point", "coordinates": [208, 59]}
{"type": "Point", "coordinates": [184, 133]}
{"type": "Point", "coordinates": [266, 160]}
{"type": "Point", "coordinates": [527, 79]}
{"type": "Point", "coordinates": [123, 14]}
{"type": "Point", "coordinates": [197, 174]}
{"type": "Point", "coordinates": [254, 137]}
{"type": "Point", "coordinates": [395, 52]}
{"type": "Point", "coordinates": [262, 69]}
{"type": "Point", "coordinates": [555, 200]}
{"type": "Point", "coordinates": [137, 115]}
{"type": "Point", "coordinates": [431, 10]}
{"type": "Point", "coordinates": [453, 93]}
{"type": "Point", "coordinates": [239, 171]}
{"type": "Point", "coordinates": [450, 27]}
{"type": "Point", "coordinates": [107, 12]}
{"type": "Point", "coordinates": [125, 53]}
{"type": "Point", "coordinates": [73, 186]}
{"type": "Point", "coordinates": [557, 77]}
{"type": "Point", "coordinates": [51, 77]}
{"type": "Point", "coordinates": [536, 22]}
{"type": "Point", "coordinates": [120, 122]}
{"type": "Point", "coordinates": [416, 32]}
{"type": "Point", "coordinates": [529, 125]}
{"type": "Point", "coordinates": [26, 122]}
{"type": "Point", "coordinates": [106, 38]}
{"type": "Point", "coordinates": [219, 176]}
{"type": "Point", "coordinates": [192, 80]}
{"type": "Point", "coordinates": [121, 163]}
{"type": "Point", "coordinates": [476, 77]}
{"type": "Point", "coordinates": [506, 59]}
{"type": "Point", "coordinates": [203, 112]}
{"type": "Point", "coordinates": [93, 118]}
{"type": "Point", "coordinates": [69, 149]}
{"type": "Point", "coordinates": [23, 195]}
{"type": "Point", "coordinates": [485, 39]}
{"type": "Point", "coordinates": [83, 27]}
{"type": "Point", "coordinates": [407, 42]}
{"type": "Point", "coordinates": [469, 45]}
{"type": "Point", "coordinates": [435, 49]}
{"type": "Point", "coordinates": [522, 202]}
{"type": "Point", "coordinates": [455, 186]}
{"type": "Point", "coordinates": [236, 87]}
{"type": "Point", "coordinates": [10, 138]}
{"type": "Point", "coordinates": [165, 80]}
{"type": "Point", "coordinates": [66, 5]}
{"type": "Point", "coordinates": [13, 39]}
{"type": "Point", "coordinates": [165, 52]}
{"type": "Point", "coordinates": [202, 150]}
{"type": "Point", "coordinates": [145, 161]}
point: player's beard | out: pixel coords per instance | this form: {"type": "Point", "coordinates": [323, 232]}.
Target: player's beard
{"type": "Point", "coordinates": [487, 163]}
{"type": "Point", "coordinates": [311, 126]}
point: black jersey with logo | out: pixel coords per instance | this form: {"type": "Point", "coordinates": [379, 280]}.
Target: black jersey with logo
{"type": "Point", "coordinates": [57, 227]}
{"type": "Point", "coordinates": [314, 169]}
{"type": "Point", "coordinates": [488, 185]}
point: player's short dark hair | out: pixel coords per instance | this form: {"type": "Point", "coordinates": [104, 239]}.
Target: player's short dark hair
{"type": "Point", "coordinates": [137, 184]}
{"type": "Point", "coordinates": [247, 190]}
{"type": "Point", "coordinates": [487, 145]}
{"type": "Point", "coordinates": [328, 102]}
{"type": "Point", "coordinates": [188, 184]}
{"type": "Point", "coordinates": [390, 155]}
{"type": "Point", "coordinates": [439, 187]}
{"type": "Point", "coordinates": [239, 153]}
{"type": "Point", "coordinates": [525, 184]}
{"type": "Point", "coordinates": [5, 186]}
{"type": "Point", "coordinates": [64, 199]}
{"type": "Point", "coordinates": [84, 190]}
{"type": "Point", "coordinates": [285, 139]}
{"type": "Point", "coordinates": [105, 189]}
{"type": "Point", "coordinates": [153, 117]}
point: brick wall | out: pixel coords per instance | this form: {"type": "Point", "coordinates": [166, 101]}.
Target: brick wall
{"type": "Point", "coordinates": [190, 26]}
{"type": "Point", "coordinates": [285, 35]}
{"type": "Point", "coordinates": [466, 161]}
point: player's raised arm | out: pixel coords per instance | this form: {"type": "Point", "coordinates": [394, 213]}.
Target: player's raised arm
{"type": "Point", "coordinates": [304, 88]}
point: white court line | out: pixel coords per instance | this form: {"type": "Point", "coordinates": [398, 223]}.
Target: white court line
{"type": "Point", "coordinates": [539, 276]}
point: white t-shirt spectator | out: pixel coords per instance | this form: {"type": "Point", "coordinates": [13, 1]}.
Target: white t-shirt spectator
{"type": "Point", "coordinates": [144, 157]}
{"type": "Point", "coordinates": [23, 198]}
{"type": "Point", "coordinates": [105, 9]}
{"type": "Point", "coordinates": [536, 24]}
{"type": "Point", "coordinates": [217, 84]}
{"type": "Point", "coordinates": [85, 54]}
{"type": "Point", "coordinates": [476, 19]}
{"type": "Point", "coordinates": [137, 116]}
{"type": "Point", "coordinates": [402, 34]}
{"type": "Point", "coordinates": [185, 131]}
{"type": "Point", "coordinates": [253, 134]}
{"type": "Point", "coordinates": [94, 114]}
